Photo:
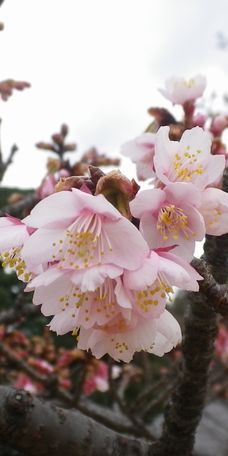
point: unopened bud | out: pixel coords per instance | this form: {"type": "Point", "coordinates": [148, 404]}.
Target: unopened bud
{"type": "Point", "coordinates": [58, 139]}
{"type": "Point", "coordinates": [118, 190]}
{"type": "Point", "coordinates": [64, 130]}
{"type": "Point", "coordinates": [67, 183]}
{"type": "Point", "coordinates": [53, 165]}
{"type": "Point", "coordinates": [45, 146]}
{"type": "Point", "coordinates": [219, 123]}
{"type": "Point", "coordinates": [199, 120]}
{"type": "Point", "coordinates": [162, 117]}
{"type": "Point", "coordinates": [95, 174]}
{"type": "Point", "coordinates": [70, 147]}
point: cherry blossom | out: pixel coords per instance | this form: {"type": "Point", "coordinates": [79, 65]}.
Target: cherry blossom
{"type": "Point", "coordinates": [75, 300]}
{"type": "Point", "coordinates": [80, 231]}
{"type": "Point", "coordinates": [221, 344]}
{"type": "Point", "coordinates": [97, 378]}
{"type": "Point", "coordinates": [187, 160]}
{"type": "Point", "coordinates": [72, 306]}
{"type": "Point", "coordinates": [214, 209]}
{"type": "Point", "coordinates": [13, 235]}
{"type": "Point", "coordinates": [48, 184]}
{"type": "Point", "coordinates": [170, 216]}
{"type": "Point", "coordinates": [122, 338]}
{"type": "Point", "coordinates": [161, 270]}
{"type": "Point", "coordinates": [114, 302]}
{"type": "Point", "coordinates": [141, 152]}
{"type": "Point", "coordinates": [180, 90]}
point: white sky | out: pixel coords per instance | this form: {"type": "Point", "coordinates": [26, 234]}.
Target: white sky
{"type": "Point", "coordinates": [96, 65]}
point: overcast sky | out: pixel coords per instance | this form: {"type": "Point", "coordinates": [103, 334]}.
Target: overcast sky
{"type": "Point", "coordinates": [96, 65]}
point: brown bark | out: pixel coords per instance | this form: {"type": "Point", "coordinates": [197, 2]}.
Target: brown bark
{"type": "Point", "coordinates": [40, 428]}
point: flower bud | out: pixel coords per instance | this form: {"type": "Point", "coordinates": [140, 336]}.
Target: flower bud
{"type": "Point", "coordinates": [219, 123]}
{"type": "Point", "coordinates": [64, 130]}
{"type": "Point", "coordinates": [118, 190]}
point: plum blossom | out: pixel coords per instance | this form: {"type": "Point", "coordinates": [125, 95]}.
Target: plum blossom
{"type": "Point", "coordinates": [141, 152]}
{"type": "Point", "coordinates": [80, 231]}
{"type": "Point", "coordinates": [170, 216]}
{"type": "Point", "coordinates": [187, 160]}
{"type": "Point", "coordinates": [180, 90]}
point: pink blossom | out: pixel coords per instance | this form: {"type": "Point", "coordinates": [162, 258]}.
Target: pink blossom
{"type": "Point", "coordinates": [199, 120]}
{"type": "Point", "coordinates": [123, 338]}
{"type": "Point", "coordinates": [42, 365]}
{"type": "Point", "coordinates": [219, 123]}
{"type": "Point", "coordinates": [76, 302]}
{"type": "Point", "coordinates": [13, 232]}
{"type": "Point", "coordinates": [120, 303]}
{"type": "Point", "coordinates": [214, 209]}
{"type": "Point", "coordinates": [23, 381]}
{"type": "Point", "coordinates": [187, 160]}
{"type": "Point", "coordinates": [66, 383]}
{"type": "Point", "coordinates": [180, 90]}
{"type": "Point", "coordinates": [160, 272]}
{"type": "Point", "coordinates": [48, 184]}
{"type": "Point", "coordinates": [141, 152]}
{"type": "Point", "coordinates": [170, 216]}
{"type": "Point", "coordinates": [80, 231]}
{"type": "Point", "coordinates": [97, 379]}
{"type": "Point", "coordinates": [221, 344]}
{"type": "Point", "coordinates": [13, 235]}
{"type": "Point", "coordinates": [74, 306]}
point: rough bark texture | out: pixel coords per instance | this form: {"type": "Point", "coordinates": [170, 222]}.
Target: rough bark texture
{"type": "Point", "coordinates": [40, 428]}
{"type": "Point", "coordinates": [185, 408]}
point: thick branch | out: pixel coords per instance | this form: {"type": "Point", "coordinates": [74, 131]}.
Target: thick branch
{"type": "Point", "coordinates": [39, 428]}
{"type": "Point", "coordinates": [217, 294]}
{"type": "Point", "coordinates": [185, 407]}
{"type": "Point", "coordinates": [186, 404]}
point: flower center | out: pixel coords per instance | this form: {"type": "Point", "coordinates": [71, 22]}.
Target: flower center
{"type": "Point", "coordinates": [84, 245]}
{"type": "Point", "coordinates": [172, 221]}
{"type": "Point", "coordinates": [12, 259]}
{"type": "Point", "coordinates": [212, 215]}
{"type": "Point", "coordinates": [88, 308]}
{"type": "Point", "coordinates": [189, 83]}
{"type": "Point", "coordinates": [153, 295]}
{"type": "Point", "coordinates": [186, 165]}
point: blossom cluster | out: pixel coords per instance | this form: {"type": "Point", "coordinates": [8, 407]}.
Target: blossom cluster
{"type": "Point", "coordinates": [104, 273]}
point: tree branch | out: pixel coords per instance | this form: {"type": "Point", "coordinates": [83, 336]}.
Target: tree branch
{"type": "Point", "coordinates": [217, 294]}
{"type": "Point", "coordinates": [39, 428]}
{"type": "Point", "coordinates": [185, 407]}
